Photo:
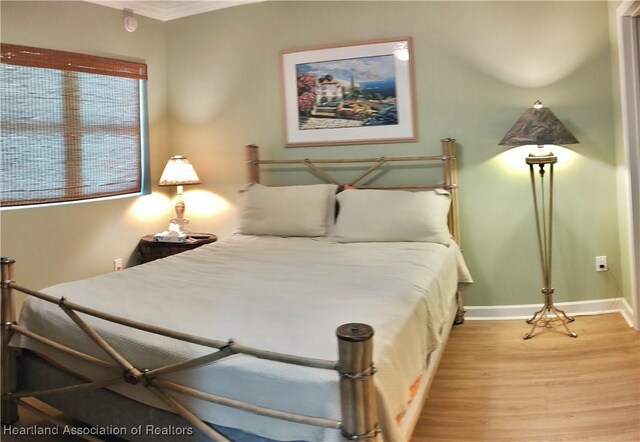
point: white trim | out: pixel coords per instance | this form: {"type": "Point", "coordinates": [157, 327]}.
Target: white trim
{"type": "Point", "coordinates": [629, 53]}
{"type": "Point", "coordinates": [172, 10]}
{"type": "Point", "coordinates": [575, 308]}
{"type": "Point", "coordinates": [82, 201]}
{"type": "Point", "coordinates": [627, 313]}
{"type": "Point", "coordinates": [629, 8]}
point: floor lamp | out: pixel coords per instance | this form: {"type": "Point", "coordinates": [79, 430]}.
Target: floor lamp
{"type": "Point", "coordinates": [539, 126]}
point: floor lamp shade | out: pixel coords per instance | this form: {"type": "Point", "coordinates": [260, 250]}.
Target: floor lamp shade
{"type": "Point", "coordinates": [539, 126]}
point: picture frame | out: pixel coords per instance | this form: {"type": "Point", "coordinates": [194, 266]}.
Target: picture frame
{"type": "Point", "coordinates": [355, 93]}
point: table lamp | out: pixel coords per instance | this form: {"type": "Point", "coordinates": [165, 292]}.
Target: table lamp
{"type": "Point", "coordinates": [539, 126]}
{"type": "Point", "coordinates": [179, 172]}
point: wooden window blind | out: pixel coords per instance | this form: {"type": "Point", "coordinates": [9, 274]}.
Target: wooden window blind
{"type": "Point", "coordinates": [73, 126]}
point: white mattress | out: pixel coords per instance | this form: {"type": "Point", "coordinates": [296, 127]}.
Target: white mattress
{"type": "Point", "coordinates": [281, 294]}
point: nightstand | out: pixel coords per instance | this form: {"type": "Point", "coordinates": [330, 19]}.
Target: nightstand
{"type": "Point", "coordinates": [150, 250]}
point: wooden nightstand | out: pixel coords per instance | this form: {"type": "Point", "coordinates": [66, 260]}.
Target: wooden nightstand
{"type": "Point", "coordinates": [150, 250]}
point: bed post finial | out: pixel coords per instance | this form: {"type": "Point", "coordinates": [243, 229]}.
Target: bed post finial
{"type": "Point", "coordinates": [357, 392]}
{"type": "Point", "coordinates": [8, 369]}
{"type": "Point", "coordinates": [253, 166]}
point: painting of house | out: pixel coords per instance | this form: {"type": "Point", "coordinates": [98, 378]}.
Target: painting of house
{"type": "Point", "coordinates": [347, 93]}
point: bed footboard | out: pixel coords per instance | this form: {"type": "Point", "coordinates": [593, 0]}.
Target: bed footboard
{"type": "Point", "coordinates": [354, 367]}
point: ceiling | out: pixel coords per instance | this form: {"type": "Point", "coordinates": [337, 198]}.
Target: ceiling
{"type": "Point", "coordinates": [170, 10]}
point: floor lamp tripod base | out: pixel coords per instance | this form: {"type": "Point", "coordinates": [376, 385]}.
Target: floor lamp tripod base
{"type": "Point", "coordinates": [548, 316]}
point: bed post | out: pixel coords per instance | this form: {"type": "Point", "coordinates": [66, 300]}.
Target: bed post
{"type": "Point", "coordinates": [451, 182]}
{"type": "Point", "coordinates": [253, 168]}
{"type": "Point", "coordinates": [357, 392]}
{"type": "Point", "coordinates": [8, 369]}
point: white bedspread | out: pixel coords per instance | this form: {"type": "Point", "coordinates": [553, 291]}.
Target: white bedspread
{"type": "Point", "coordinates": [281, 294]}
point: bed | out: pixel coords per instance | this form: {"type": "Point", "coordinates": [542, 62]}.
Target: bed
{"type": "Point", "coordinates": [269, 300]}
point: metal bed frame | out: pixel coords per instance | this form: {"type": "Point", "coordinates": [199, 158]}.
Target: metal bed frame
{"type": "Point", "coordinates": [355, 344]}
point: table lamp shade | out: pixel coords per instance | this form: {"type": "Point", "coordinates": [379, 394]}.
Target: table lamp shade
{"type": "Point", "coordinates": [539, 126]}
{"type": "Point", "coordinates": [178, 172]}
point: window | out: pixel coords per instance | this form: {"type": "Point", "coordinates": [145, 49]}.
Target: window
{"type": "Point", "coordinates": [73, 126]}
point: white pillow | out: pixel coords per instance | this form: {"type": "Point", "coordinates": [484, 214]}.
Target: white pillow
{"type": "Point", "coordinates": [393, 215]}
{"type": "Point", "coordinates": [287, 211]}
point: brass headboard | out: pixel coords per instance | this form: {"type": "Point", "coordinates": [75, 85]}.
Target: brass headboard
{"type": "Point", "coordinates": [447, 159]}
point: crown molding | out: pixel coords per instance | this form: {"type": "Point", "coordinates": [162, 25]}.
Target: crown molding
{"type": "Point", "coordinates": [629, 8]}
{"type": "Point", "coordinates": [171, 10]}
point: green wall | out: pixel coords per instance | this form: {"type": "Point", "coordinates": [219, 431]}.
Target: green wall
{"type": "Point", "coordinates": [214, 86]}
{"type": "Point", "coordinates": [477, 66]}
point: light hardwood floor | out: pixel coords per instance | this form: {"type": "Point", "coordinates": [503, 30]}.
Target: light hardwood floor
{"type": "Point", "coordinates": [494, 386]}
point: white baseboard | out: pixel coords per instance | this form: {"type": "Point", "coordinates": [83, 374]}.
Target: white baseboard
{"type": "Point", "coordinates": [627, 312]}
{"type": "Point", "coordinates": [594, 307]}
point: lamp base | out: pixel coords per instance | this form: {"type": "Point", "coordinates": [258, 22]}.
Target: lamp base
{"type": "Point", "coordinates": [549, 314]}
{"type": "Point", "coordinates": [179, 224]}
{"type": "Point", "coordinates": [179, 220]}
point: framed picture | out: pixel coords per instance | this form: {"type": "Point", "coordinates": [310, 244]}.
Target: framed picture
{"type": "Point", "coordinates": [356, 93]}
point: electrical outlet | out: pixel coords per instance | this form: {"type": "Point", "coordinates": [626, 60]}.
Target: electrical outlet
{"type": "Point", "coordinates": [601, 264]}
{"type": "Point", "coordinates": [117, 265]}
